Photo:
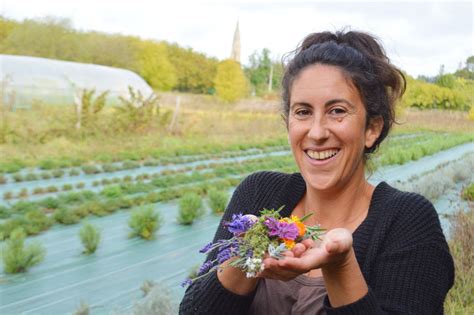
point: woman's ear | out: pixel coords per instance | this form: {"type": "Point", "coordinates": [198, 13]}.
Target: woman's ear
{"type": "Point", "coordinates": [373, 131]}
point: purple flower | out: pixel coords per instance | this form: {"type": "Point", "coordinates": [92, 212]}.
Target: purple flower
{"type": "Point", "coordinates": [206, 248]}
{"type": "Point", "coordinates": [205, 268]}
{"type": "Point", "coordinates": [224, 255]}
{"type": "Point", "coordinates": [239, 224]}
{"type": "Point", "coordinates": [288, 231]}
{"type": "Point", "coordinates": [281, 229]}
{"type": "Point", "coordinates": [186, 282]}
{"type": "Point", "coordinates": [228, 250]}
{"type": "Point", "coordinates": [273, 226]}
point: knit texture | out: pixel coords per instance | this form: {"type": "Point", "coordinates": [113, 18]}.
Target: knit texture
{"type": "Point", "coordinates": [400, 248]}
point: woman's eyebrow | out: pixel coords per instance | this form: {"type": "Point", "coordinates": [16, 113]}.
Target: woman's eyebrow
{"type": "Point", "coordinates": [338, 100]}
{"type": "Point", "coordinates": [328, 103]}
{"type": "Point", "coordinates": [304, 104]}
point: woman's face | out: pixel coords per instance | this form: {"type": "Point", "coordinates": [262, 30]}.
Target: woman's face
{"type": "Point", "coordinates": [326, 126]}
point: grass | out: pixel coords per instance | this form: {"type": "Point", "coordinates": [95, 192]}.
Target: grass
{"type": "Point", "coordinates": [468, 192]}
{"type": "Point", "coordinates": [460, 299]}
{"type": "Point", "coordinates": [52, 137]}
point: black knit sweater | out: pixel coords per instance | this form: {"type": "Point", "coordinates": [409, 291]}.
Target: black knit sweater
{"type": "Point", "coordinates": [400, 248]}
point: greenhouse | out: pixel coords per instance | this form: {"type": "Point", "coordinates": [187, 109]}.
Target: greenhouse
{"type": "Point", "coordinates": [29, 80]}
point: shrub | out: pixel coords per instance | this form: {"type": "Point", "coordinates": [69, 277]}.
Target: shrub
{"type": "Point", "coordinates": [38, 191]}
{"type": "Point", "coordinates": [5, 212]}
{"type": "Point", "coordinates": [80, 185]}
{"type": "Point", "coordinates": [74, 172]}
{"type": "Point", "coordinates": [157, 300]}
{"type": "Point", "coordinates": [10, 225]}
{"type": "Point", "coordinates": [57, 173]}
{"type": "Point", "coordinates": [108, 168]}
{"type": "Point", "coordinates": [67, 187]}
{"type": "Point", "coordinates": [144, 222]}
{"type": "Point", "coordinates": [90, 169]}
{"type": "Point", "coordinates": [468, 192]}
{"type": "Point", "coordinates": [105, 181]}
{"type": "Point", "coordinates": [190, 208]}
{"type": "Point", "coordinates": [71, 197]}
{"type": "Point", "coordinates": [3, 179]}
{"type": "Point", "coordinates": [24, 206]}
{"type": "Point", "coordinates": [65, 216]}
{"type": "Point", "coordinates": [31, 177]}
{"type": "Point", "coordinates": [18, 178]}
{"type": "Point", "coordinates": [37, 222]}
{"type": "Point", "coordinates": [47, 164]}
{"type": "Point", "coordinates": [130, 165]}
{"type": "Point", "coordinates": [52, 189]}
{"type": "Point", "coordinates": [113, 191]}
{"type": "Point", "coordinates": [217, 200]}
{"type": "Point", "coordinates": [7, 195]}
{"type": "Point", "coordinates": [50, 203]}
{"type": "Point", "coordinates": [23, 193]}
{"type": "Point", "coordinates": [151, 163]}
{"type": "Point", "coordinates": [19, 258]}
{"type": "Point", "coordinates": [82, 309]}
{"type": "Point", "coordinates": [90, 238]}
{"type": "Point", "coordinates": [97, 208]}
{"type": "Point", "coordinates": [46, 175]}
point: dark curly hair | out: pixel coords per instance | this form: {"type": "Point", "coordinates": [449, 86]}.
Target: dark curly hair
{"type": "Point", "coordinates": [363, 61]}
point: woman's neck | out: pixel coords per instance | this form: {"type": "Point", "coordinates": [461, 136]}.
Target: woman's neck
{"type": "Point", "coordinates": [341, 207]}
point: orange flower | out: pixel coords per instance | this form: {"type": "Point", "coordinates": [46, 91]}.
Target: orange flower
{"type": "Point", "coordinates": [299, 224]}
{"type": "Point", "coordinates": [289, 243]}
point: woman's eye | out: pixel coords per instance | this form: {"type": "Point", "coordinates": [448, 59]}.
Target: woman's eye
{"type": "Point", "coordinates": [337, 111]}
{"type": "Point", "coordinates": [302, 112]}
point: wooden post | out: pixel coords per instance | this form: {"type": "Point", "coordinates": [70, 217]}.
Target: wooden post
{"type": "Point", "coordinates": [78, 105]}
{"type": "Point", "coordinates": [270, 78]}
{"type": "Point", "coordinates": [175, 114]}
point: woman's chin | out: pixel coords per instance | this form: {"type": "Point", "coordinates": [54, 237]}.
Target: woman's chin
{"type": "Point", "coordinates": [320, 184]}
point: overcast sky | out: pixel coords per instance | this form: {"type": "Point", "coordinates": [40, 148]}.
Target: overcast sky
{"type": "Point", "coordinates": [419, 36]}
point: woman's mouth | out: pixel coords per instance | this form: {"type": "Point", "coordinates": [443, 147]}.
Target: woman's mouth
{"type": "Point", "coordinates": [321, 155]}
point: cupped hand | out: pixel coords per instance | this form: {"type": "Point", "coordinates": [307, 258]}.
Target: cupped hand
{"type": "Point", "coordinates": [331, 253]}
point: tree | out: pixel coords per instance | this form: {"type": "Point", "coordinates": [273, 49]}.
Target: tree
{"type": "Point", "coordinates": [155, 67]}
{"type": "Point", "coordinates": [48, 37]}
{"type": "Point", "coordinates": [230, 81]}
{"type": "Point", "coordinates": [260, 69]}
{"type": "Point", "coordinates": [446, 80]}
{"type": "Point", "coordinates": [195, 71]}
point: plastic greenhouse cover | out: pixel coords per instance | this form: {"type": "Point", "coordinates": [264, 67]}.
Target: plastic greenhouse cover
{"type": "Point", "coordinates": [31, 79]}
{"type": "Point", "coordinates": [110, 279]}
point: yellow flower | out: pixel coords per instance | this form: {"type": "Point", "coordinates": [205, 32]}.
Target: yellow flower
{"type": "Point", "coordinates": [289, 243]}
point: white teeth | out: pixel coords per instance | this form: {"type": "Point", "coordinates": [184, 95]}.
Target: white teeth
{"type": "Point", "coordinates": [322, 155]}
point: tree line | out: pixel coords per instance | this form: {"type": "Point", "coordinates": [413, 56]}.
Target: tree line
{"type": "Point", "coordinates": [165, 66]}
{"type": "Point", "coordinates": [168, 66]}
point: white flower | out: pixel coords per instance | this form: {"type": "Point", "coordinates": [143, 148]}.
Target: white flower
{"type": "Point", "coordinates": [250, 274]}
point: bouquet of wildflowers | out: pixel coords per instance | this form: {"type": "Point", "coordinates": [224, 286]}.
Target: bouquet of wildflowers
{"type": "Point", "coordinates": [254, 237]}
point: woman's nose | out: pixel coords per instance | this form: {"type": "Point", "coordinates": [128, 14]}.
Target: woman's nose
{"type": "Point", "coordinates": [318, 130]}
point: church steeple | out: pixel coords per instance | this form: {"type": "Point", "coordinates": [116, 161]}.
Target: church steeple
{"type": "Point", "coordinates": [235, 54]}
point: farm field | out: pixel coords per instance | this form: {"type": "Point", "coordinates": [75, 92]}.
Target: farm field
{"type": "Point", "coordinates": [50, 188]}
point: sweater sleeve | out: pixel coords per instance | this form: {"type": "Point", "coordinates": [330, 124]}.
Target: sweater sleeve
{"type": "Point", "coordinates": [207, 295]}
{"type": "Point", "coordinates": [413, 269]}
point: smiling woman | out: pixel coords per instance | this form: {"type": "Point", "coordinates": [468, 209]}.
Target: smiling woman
{"type": "Point", "coordinates": [384, 251]}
